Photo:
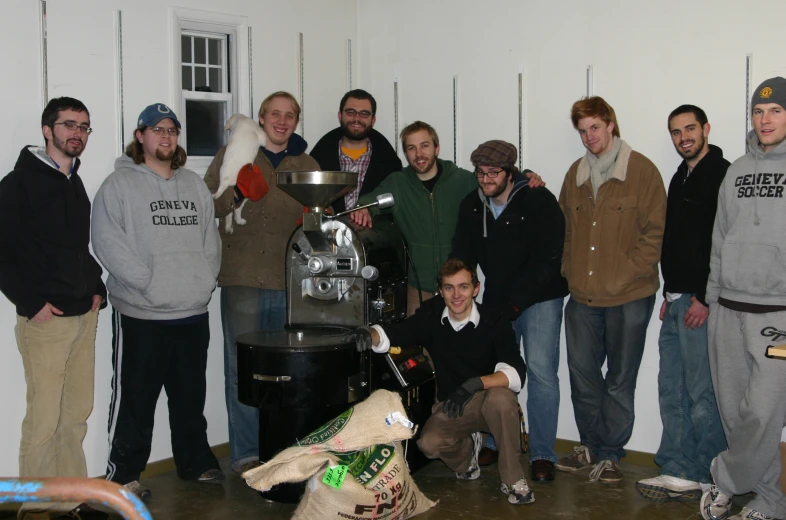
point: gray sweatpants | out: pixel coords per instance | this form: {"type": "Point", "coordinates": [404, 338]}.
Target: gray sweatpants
{"type": "Point", "coordinates": [751, 394]}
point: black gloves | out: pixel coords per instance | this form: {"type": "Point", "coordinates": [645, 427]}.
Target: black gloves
{"type": "Point", "coordinates": [455, 403]}
{"type": "Point", "coordinates": [362, 337]}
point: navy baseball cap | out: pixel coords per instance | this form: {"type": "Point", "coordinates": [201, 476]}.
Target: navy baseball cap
{"type": "Point", "coordinates": [153, 114]}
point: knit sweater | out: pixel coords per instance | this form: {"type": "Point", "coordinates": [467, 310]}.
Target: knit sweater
{"type": "Point", "coordinates": [458, 355]}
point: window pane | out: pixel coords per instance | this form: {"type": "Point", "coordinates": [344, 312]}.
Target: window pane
{"type": "Point", "coordinates": [185, 49]}
{"type": "Point", "coordinates": [187, 78]}
{"type": "Point", "coordinates": [200, 78]}
{"type": "Point", "coordinates": [213, 47]}
{"type": "Point", "coordinates": [205, 123]}
{"type": "Point", "coordinates": [215, 80]}
{"type": "Point", "coordinates": [199, 50]}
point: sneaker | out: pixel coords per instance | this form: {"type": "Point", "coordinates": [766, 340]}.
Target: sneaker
{"type": "Point", "coordinates": [715, 505]}
{"type": "Point", "coordinates": [665, 488]}
{"type": "Point", "coordinates": [143, 493]}
{"type": "Point", "coordinates": [473, 471]}
{"type": "Point", "coordinates": [211, 476]}
{"type": "Point", "coordinates": [606, 471]}
{"type": "Point", "coordinates": [518, 493]}
{"type": "Point", "coordinates": [751, 514]}
{"type": "Point", "coordinates": [580, 460]}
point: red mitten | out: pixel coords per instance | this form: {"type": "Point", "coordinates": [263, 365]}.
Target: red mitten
{"type": "Point", "coordinates": [251, 182]}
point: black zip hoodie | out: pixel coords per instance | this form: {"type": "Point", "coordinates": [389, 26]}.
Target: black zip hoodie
{"type": "Point", "coordinates": [690, 216]}
{"type": "Point", "coordinates": [44, 238]}
{"type": "Point", "coordinates": [520, 252]}
{"type": "Point", "coordinates": [384, 160]}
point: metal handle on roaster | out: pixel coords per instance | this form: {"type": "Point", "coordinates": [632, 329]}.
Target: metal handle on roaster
{"type": "Point", "coordinates": [384, 200]}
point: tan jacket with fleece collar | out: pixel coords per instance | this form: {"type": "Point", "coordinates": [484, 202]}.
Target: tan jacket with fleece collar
{"type": "Point", "coordinates": [613, 243]}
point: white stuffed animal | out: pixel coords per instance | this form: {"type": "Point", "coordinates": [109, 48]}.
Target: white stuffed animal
{"type": "Point", "coordinates": [245, 138]}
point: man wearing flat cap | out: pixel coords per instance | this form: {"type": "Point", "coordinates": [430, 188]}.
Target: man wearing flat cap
{"type": "Point", "coordinates": [746, 293]}
{"type": "Point", "coordinates": [615, 213]}
{"type": "Point", "coordinates": [427, 193]}
{"type": "Point", "coordinates": [516, 235]}
{"type": "Point", "coordinates": [155, 232]}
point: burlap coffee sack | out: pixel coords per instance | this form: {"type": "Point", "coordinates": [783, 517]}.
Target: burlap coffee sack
{"type": "Point", "coordinates": [363, 425]}
{"type": "Point", "coordinates": [377, 485]}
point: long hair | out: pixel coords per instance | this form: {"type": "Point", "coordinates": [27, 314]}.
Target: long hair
{"type": "Point", "coordinates": [135, 152]}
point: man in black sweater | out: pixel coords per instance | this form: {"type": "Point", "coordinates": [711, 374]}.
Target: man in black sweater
{"type": "Point", "coordinates": [47, 272]}
{"type": "Point", "coordinates": [356, 147]}
{"type": "Point", "coordinates": [478, 371]}
{"type": "Point", "coordinates": [692, 431]}
{"type": "Point", "coordinates": [516, 235]}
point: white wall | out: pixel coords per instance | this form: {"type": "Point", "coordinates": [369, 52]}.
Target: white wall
{"type": "Point", "coordinates": [648, 58]}
{"type": "Point", "coordinates": [81, 63]}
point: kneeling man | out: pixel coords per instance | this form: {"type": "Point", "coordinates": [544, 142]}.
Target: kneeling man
{"type": "Point", "coordinates": [478, 370]}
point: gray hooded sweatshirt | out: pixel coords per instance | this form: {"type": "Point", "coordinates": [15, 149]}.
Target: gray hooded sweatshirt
{"type": "Point", "coordinates": [748, 259]}
{"type": "Point", "coordinates": [158, 239]}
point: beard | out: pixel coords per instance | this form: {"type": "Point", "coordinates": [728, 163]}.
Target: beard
{"type": "Point", "coordinates": [164, 155]}
{"type": "Point", "coordinates": [429, 165]}
{"type": "Point", "coordinates": [356, 135]}
{"type": "Point", "coordinates": [696, 150]}
{"type": "Point", "coordinates": [70, 147]}
{"type": "Point", "coordinates": [497, 188]}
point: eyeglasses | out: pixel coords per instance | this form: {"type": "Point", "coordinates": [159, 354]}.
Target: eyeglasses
{"type": "Point", "coordinates": [160, 130]}
{"type": "Point", "coordinates": [491, 174]}
{"type": "Point", "coordinates": [71, 126]}
{"type": "Point", "coordinates": [364, 114]}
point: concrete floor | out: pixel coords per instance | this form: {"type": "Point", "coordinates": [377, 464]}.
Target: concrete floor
{"type": "Point", "coordinates": [569, 497]}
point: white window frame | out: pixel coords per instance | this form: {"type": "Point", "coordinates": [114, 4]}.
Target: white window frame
{"type": "Point", "coordinates": [184, 20]}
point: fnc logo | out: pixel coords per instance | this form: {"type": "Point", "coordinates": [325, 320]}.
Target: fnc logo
{"type": "Point", "coordinates": [772, 332]}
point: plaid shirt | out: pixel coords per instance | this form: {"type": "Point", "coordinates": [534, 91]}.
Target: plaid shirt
{"type": "Point", "coordinates": [360, 166]}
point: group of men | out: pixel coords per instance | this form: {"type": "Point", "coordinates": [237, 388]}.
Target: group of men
{"type": "Point", "coordinates": [600, 242]}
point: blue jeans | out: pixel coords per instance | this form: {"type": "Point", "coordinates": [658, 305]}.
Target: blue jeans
{"type": "Point", "coordinates": [692, 430]}
{"type": "Point", "coordinates": [245, 309]}
{"type": "Point", "coordinates": [603, 407]}
{"type": "Point", "coordinates": [540, 325]}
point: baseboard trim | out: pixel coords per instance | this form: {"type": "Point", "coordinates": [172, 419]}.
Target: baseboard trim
{"type": "Point", "coordinates": [160, 467]}
{"type": "Point", "coordinates": [639, 458]}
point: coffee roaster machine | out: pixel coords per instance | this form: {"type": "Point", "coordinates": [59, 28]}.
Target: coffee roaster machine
{"type": "Point", "coordinates": [339, 276]}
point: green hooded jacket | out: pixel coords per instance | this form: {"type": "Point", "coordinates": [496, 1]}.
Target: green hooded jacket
{"type": "Point", "coordinates": [427, 220]}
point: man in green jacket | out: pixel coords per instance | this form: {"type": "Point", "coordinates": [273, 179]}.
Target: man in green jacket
{"type": "Point", "coordinates": [427, 193]}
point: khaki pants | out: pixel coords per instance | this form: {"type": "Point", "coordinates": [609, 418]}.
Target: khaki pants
{"type": "Point", "coordinates": [59, 362]}
{"type": "Point", "coordinates": [495, 411]}
{"type": "Point", "coordinates": [413, 303]}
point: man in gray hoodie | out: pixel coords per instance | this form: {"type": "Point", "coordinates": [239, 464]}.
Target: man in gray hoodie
{"type": "Point", "coordinates": [154, 231]}
{"type": "Point", "coordinates": [746, 293]}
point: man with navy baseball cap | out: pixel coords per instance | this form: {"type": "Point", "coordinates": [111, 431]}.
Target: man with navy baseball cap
{"type": "Point", "coordinates": [154, 231]}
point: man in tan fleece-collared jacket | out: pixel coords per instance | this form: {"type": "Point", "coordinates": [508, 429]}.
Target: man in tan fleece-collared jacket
{"type": "Point", "coordinates": [615, 210]}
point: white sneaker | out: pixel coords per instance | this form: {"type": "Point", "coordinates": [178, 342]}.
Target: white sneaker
{"type": "Point", "coordinates": [473, 472]}
{"type": "Point", "coordinates": [665, 488]}
{"type": "Point", "coordinates": [518, 493]}
{"type": "Point", "coordinates": [750, 514]}
{"type": "Point", "coordinates": [715, 505]}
